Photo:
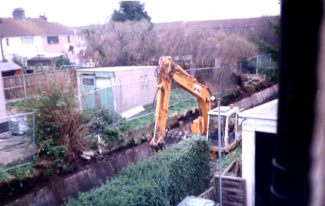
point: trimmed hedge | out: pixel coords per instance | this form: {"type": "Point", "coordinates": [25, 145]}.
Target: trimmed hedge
{"type": "Point", "coordinates": [163, 179]}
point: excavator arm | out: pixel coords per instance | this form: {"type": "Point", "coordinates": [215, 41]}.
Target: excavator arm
{"type": "Point", "coordinates": [168, 72]}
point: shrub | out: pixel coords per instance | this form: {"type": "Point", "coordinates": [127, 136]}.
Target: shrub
{"type": "Point", "coordinates": [163, 179]}
{"type": "Point", "coordinates": [101, 122]}
{"type": "Point", "coordinates": [61, 60]}
{"type": "Point", "coordinates": [112, 134]}
{"type": "Point", "coordinates": [271, 74]}
{"type": "Point", "coordinates": [102, 116]}
{"type": "Point", "coordinates": [21, 172]}
{"type": "Point", "coordinates": [59, 129]}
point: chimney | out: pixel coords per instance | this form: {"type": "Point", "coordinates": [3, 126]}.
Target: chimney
{"type": "Point", "coordinates": [43, 17]}
{"type": "Point", "coordinates": [18, 13]}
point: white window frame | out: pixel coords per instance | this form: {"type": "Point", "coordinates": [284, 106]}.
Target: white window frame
{"type": "Point", "coordinates": [27, 40]}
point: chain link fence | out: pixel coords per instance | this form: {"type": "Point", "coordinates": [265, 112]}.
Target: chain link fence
{"type": "Point", "coordinates": [259, 64]}
{"type": "Point", "coordinates": [117, 106]}
{"type": "Point", "coordinates": [17, 141]}
{"type": "Point", "coordinates": [133, 102]}
{"type": "Point", "coordinates": [127, 101]}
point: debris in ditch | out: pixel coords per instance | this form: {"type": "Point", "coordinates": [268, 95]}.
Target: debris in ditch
{"type": "Point", "coordinates": [87, 155]}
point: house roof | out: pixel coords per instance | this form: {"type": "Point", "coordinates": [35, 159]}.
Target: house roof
{"type": "Point", "coordinates": [45, 56]}
{"type": "Point", "coordinates": [92, 27]}
{"type": "Point", "coordinates": [268, 110]}
{"type": "Point", "coordinates": [8, 66]}
{"type": "Point", "coordinates": [11, 27]}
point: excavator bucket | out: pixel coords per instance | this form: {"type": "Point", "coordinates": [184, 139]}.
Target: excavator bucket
{"type": "Point", "coordinates": [197, 126]}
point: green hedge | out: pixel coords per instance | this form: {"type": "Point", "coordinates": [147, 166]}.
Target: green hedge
{"type": "Point", "coordinates": [163, 179]}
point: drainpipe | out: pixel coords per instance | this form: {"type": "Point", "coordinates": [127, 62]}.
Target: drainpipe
{"type": "Point", "coordinates": [1, 47]}
{"type": "Point", "coordinates": [297, 92]}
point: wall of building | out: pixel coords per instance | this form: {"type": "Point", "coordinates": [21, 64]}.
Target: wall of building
{"type": "Point", "coordinates": [134, 88]}
{"type": "Point", "coordinates": [61, 47]}
{"type": "Point", "coordinates": [250, 127]}
{"type": "Point", "coordinates": [119, 89]}
{"type": "Point", "coordinates": [38, 45]}
{"type": "Point", "coordinates": [259, 119]}
{"type": "Point", "coordinates": [21, 46]}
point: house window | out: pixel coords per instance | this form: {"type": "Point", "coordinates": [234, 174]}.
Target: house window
{"type": "Point", "coordinates": [88, 81]}
{"type": "Point", "coordinates": [52, 39]}
{"type": "Point", "coordinates": [68, 38]}
{"type": "Point", "coordinates": [7, 41]}
{"type": "Point", "coordinates": [27, 40]}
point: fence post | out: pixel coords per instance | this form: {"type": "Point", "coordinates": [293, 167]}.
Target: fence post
{"type": "Point", "coordinates": [220, 155]}
{"type": "Point", "coordinates": [257, 64]}
{"type": "Point", "coordinates": [25, 85]}
{"type": "Point", "coordinates": [33, 134]}
{"type": "Point", "coordinates": [3, 113]}
{"type": "Point", "coordinates": [121, 97]}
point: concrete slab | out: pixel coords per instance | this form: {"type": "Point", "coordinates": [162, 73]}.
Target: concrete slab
{"type": "Point", "coordinates": [15, 148]}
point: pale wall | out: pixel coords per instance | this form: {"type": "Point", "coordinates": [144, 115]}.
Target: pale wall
{"type": "Point", "coordinates": [129, 86]}
{"type": "Point", "coordinates": [132, 90]}
{"type": "Point", "coordinates": [39, 46]}
{"type": "Point", "coordinates": [2, 101]}
{"type": "Point", "coordinates": [249, 129]}
{"type": "Point", "coordinates": [61, 47]}
{"type": "Point", "coordinates": [24, 50]}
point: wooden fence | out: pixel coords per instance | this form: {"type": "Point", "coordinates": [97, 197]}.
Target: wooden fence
{"type": "Point", "coordinates": [27, 85]}
{"type": "Point", "coordinates": [233, 190]}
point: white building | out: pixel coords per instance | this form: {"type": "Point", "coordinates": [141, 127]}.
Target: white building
{"type": "Point", "coordinates": [124, 89]}
{"type": "Point", "coordinates": [258, 141]}
{"type": "Point", "coordinates": [29, 37]}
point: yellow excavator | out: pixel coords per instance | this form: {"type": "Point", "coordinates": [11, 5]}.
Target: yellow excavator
{"type": "Point", "coordinates": [168, 72]}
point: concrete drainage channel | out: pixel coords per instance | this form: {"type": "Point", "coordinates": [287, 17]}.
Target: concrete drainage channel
{"type": "Point", "coordinates": [90, 177]}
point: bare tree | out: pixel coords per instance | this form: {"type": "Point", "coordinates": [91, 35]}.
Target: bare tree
{"type": "Point", "coordinates": [127, 43]}
{"type": "Point", "coordinates": [233, 49]}
{"type": "Point", "coordinates": [134, 43]}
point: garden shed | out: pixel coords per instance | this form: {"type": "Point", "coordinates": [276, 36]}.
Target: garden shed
{"type": "Point", "coordinates": [124, 89]}
{"type": "Point", "coordinates": [10, 69]}
{"type": "Point", "coordinates": [259, 129]}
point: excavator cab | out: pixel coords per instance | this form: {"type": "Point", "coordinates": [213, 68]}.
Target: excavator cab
{"type": "Point", "coordinates": [230, 136]}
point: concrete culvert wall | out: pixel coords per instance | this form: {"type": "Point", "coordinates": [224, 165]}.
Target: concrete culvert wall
{"type": "Point", "coordinates": [92, 176]}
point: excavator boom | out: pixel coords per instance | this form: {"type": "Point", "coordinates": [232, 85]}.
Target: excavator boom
{"type": "Point", "coordinates": [168, 72]}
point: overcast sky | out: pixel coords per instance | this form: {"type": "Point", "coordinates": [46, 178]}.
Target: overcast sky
{"type": "Point", "coordinates": [85, 12]}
